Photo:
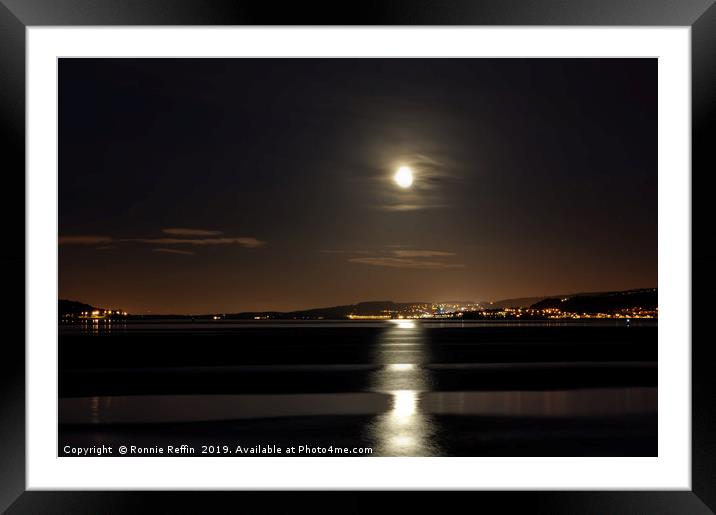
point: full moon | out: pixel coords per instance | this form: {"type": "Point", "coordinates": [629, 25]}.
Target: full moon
{"type": "Point", "coordinates": [403, 177]}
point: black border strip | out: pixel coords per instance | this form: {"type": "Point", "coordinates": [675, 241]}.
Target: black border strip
{"type": "Point", "coordinates": [365, 12]}
{"type": "Point", "coordinates": [16, 15]}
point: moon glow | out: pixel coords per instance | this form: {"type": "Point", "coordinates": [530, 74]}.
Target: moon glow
{"type": "Point", "coordinates": [404, 177]}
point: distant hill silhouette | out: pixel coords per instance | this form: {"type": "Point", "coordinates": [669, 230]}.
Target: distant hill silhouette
{"type": "Point", "coordinates": [72, 307]}
{"type": "Point", "coordinates": [522, 302]}
{"type": "Point", "coordinates": [375, 307]}
{"type": "Point", "coordinates": [602, 302]}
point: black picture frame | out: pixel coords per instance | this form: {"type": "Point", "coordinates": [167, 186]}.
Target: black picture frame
{"type": "Point", "coordinates": [17, 15]}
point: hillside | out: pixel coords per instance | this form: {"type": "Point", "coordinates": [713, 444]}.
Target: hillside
{"type": "Point", "coordinates": [602, 302]}
{"type": "Point", "coordinates": [67, 307]}
{"type": "Point", "coordinates": [334, 312]}
{"type": "Point", "coordinates": [523, 302]}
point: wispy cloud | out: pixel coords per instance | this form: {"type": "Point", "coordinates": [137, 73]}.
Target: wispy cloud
{"type": "Point", "coordinates": [200, 237]}
{"type": "Point", "coordinates": [409, 207]}
{"type": "Point", "coordinates": [431, 177]}
{"type": "Point", "coordinates": [182, 231]}
{"type": "Point", "coordinates": [394, 262]}
{"type": "Point", "coordinates": [174, 251]}
{"type": "Point", "coordinates": [398, 256]}
{"type": "Point", "coordinates": [247, 242]}
{"type": "Point", "coordinates": [421, 253]}
{"type": "Point", "coordinates": [340, 251]}
{"type": "Point", "coordinates": [85, 239]}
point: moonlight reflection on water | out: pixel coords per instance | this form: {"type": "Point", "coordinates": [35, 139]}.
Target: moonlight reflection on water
{"type": "Point", "coordinates": [404, 430]}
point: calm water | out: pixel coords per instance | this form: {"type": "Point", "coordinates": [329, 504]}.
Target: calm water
{"type": "Point", "coordinates": [404, 388]}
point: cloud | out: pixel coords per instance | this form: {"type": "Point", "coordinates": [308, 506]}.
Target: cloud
{"type": "Point", "coordinates": [181, 231]}
{"type": "Point", "coordinates": [174, 251]}
{"type": "Point", "coordinates": [248, 242]}
{"type": "Point", "coordinates": [433, 178]}
{"type": "Point", "coordinates": [394, 262]}
{"type": "Point", "coordinates": [84, 240]}
{"type": "Point", "coordinates": [332, 251]}
{"type": "Point", "coordinates": [397, 256]}
{"type": "Point", "coordinates": [409, 207]}
{"type": "Point", "coordinates": [421, 253]}
{"type": "Point", "coordinates": [107, 242]}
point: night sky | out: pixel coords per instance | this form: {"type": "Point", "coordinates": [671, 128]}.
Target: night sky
{"type": "Point", "coordinates": [226, 185]}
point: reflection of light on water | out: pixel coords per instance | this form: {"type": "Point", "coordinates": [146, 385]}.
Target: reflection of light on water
{"type": "Point", "coordinates": [404, 430]}
{"type": "Point", "coordinates": [405, 403]}
{"type": "Point", "coordinates": [398, 367]}
{"type": "Point", "coordinates": [404, 324]}
{"type": "Point", "coordinates": [402, 442]}
{"type": "Point", "coordinates": [98, 407]}
{"type": "Point", "coordinates": [101, 326]}
{"type": "Point", "coordinates": [94, 409]}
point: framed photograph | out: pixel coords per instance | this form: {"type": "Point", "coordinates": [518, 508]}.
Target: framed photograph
{"type": "Point", "coordinates": [412, 248]}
